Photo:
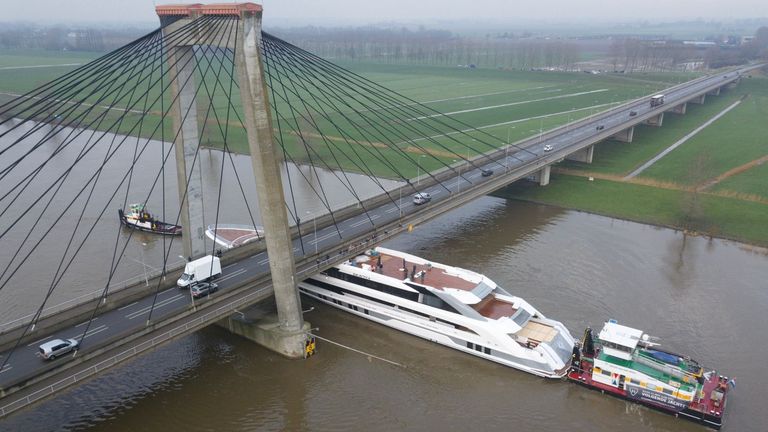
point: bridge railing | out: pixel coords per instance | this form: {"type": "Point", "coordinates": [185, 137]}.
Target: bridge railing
{"type": "Point", "coordinates": [85, 298]}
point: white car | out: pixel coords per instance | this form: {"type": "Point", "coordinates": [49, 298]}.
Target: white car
{"type": "Point", "coordinates": [57, 347]}
{"type": "Point", "coordinates": [421, 198]}
{"type": "Point", "coordinates": [547, 148]}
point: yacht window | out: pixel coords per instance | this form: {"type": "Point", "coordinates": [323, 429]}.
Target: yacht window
{"type": "Point", "coordinates": [430, 299]}
{"type": "Point", "coordinates": [521, 317]}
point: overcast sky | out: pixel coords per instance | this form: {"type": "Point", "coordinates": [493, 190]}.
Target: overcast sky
{"type": "Point", "coordinates": [367, 11]}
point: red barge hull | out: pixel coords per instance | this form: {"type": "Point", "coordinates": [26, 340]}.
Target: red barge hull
{"type": "Point", "coordinates": [703, 412]}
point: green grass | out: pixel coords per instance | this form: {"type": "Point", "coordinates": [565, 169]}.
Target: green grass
{"type": "Point", "coordinates": [726, 217]}
{"type": "Point", "coordinates": [614, 157]}
{"type": "Point", "coordinates": [733, 140]}
{"type": "Point", "coordinates": [751, 182]}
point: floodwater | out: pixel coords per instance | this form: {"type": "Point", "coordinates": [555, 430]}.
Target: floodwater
{"type": "Point", "coordinates": [24, 286]}
{"type": "Point", "coordinates": [706, 298]}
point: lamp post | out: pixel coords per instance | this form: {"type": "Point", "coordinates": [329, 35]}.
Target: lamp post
{"type": "Point", "coordinates": [314, 227]}
{"type": "Point", "coordinates": [418, 175]}
{"type": "Point", "coordinates": [143, 266]}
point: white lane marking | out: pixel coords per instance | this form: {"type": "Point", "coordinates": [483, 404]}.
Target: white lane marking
{"type": "Point", "coordinates": [6, 368]}
{"type": "Point", "coordinates": [40, 340]}
{"type": "Point", "coordinates": [91, 332]}
{"type": "Point", "coordinates": [264, 261]}
{"type": "Point", "coordinates": [127, 306]}
{"type": "Point", "coordinates": [85, 322]}
{"type": "Point", "coordinates": [231, 275]}
{"type": "Point", "coordinates": [158, 305]}
{"type": "Point", "coordinates": [393, 209]}
{"type": "Point", "coordinates": [325, 237]}
{"type": "Point", "coordinates": [362, 222]}
{"type": "Point", "coordinates": [168, 290]}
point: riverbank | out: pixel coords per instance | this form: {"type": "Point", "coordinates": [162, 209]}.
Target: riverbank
{"type": "Point", "coordinates": [706, 173]}
{"type": "Point", "coordinates": [704, 213]}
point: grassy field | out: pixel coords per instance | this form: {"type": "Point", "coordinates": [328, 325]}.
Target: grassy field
{"type": "Point", "coordinates": [715, 183]}
{"type": "Point", "coordinates": [506, 105]}
{"type": "Point", "coordinates": [732, 200]}
{"type": "Point", "coordinates": [718, 216]}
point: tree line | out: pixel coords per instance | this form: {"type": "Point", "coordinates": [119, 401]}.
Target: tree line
{"type": "Point", "coordinates": [434, 47]}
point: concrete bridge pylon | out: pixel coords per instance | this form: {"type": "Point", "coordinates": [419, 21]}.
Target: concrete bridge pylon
{"type": "Point", "coordinates": [286, 333]}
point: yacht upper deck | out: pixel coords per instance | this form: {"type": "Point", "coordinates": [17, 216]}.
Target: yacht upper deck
{"type": "Point", "coordinates": [426, 274]}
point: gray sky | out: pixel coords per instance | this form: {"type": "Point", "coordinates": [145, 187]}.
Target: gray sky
{"type": "Point", "coordinates": [427, 11]}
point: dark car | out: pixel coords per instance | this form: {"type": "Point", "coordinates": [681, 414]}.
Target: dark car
{"type": "Point", "coordinates": [487, 173]}
{"type": "Point", "coordinates": [600, 127]}
{"type": "Point", "coordinates": [201, 289]}
{"type": "Point", "coordinates": [632, 113]}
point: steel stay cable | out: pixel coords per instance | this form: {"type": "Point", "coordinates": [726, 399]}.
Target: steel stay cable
{"type": "Point", "coordinates": [397, 132]}
{"type": "Point", "coordinates": [59, 126]}
{"type": "Point", "coordinates": [412, 103]}
{"type": "Point", "coordinates": [95, 105]}
{"type": "Point", "coordinates": [125, 245]}
{"type": "Point", "coordinates": [347, 185]}
{"type": "Point", "coordinates": [72, 166]}
{"type": "Point", "coordinates": [378, 157]}
{"type": "Point", "coordinates": [40, 216]}
{"type": "Point", "coordinates": [186, 189]}
{"type": "Point", "coordinates": [73, 75]}
{"type": "Point", "coordinates": [396, 148]}
{"type": "Point", "coordinates": [84, 240]}
{"type": "Point", "coordinates": [324, 197]}
{"type": "Point", "coordinates": [71, 203]}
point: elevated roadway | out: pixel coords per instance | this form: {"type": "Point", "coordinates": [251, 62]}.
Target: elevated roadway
{"type": "Point", "coordinates": [122, 331]}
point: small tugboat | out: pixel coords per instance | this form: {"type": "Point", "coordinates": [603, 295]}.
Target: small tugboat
{"type": "Point", "coordinates": [623, 362]}
{"type": "Point", "coordinates": [138, 217]}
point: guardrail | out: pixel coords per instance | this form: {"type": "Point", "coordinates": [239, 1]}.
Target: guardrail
{"type": "Point", "coordinates": [361, 243]}
{"type": "Point", "coordinates": [84, 298]}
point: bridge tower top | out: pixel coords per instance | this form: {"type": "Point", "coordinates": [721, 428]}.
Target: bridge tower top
{"type": "Point", "coordinates": [238, 9]}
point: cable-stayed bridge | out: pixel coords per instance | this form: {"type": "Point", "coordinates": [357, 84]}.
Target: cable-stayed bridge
{"type": "Point", "coordinates": [74, 149]}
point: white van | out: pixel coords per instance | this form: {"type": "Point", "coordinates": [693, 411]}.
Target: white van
{"type": "Point", "coordinates": [199, 270]}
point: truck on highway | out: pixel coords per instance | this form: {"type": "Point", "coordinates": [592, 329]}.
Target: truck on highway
{"type": "Point", "coordinates": [657, 100]}
{"type": "Point", "coordinates": [200, 270]}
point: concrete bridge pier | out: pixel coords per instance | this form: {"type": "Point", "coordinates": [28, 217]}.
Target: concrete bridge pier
{"type": "Point", "coordinates": [698, 100]}
{"type": "Point", "coordinates": [542, 176]}
{"type": "Point", "coordinates": [286, 333]}
{"type": "Point", "coordinates": [655, 121]}
{"type": "Point", "coordinates": [584, 155]}
{"type": "Point", "coordinates": [624, 136]}
{"type": "Point", "coordinates": [182, 63]}
{"type": "Point", "coordinates": [680, 109]}
{"type": "Point", "coordinates": [715, 92]}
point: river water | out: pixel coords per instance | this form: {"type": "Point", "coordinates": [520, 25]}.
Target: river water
{"type": "Point", "coordinates": [702, 297]}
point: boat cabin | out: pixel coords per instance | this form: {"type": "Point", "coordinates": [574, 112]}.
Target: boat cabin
{"type": "Point", "coordinates": [619, 341]}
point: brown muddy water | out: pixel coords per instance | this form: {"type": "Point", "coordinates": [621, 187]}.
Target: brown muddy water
{"type": "Point", "coordinates": [706, 298]}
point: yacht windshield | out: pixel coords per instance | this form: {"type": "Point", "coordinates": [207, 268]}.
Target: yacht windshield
{"type": "Point", "coordinates": [521, 317]}
{"type": "Point", "coordinates": [561, 347]}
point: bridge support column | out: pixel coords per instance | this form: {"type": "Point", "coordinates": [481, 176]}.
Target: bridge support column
{"type": "Point", "coordinates": [655, 121]}
{"type": "Point", "coordinates": [287, 333]}
{"type": "Point", "coordinates": [698, 100]}
{"type": "Point", "coordinates": [624, 136]}
{"type": "Point", "coordinates": [680, 109]}
{"type": "Point", "coordinates": [715, 92]}
{"type": "Point", "coordinates": [583, 155]}
{"type": "Point", "coordinates": [541, 177]}
{"type": "Point", "coordinates": [181, 60]}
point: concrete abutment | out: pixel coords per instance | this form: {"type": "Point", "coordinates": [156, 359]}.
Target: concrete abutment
{"type": "Point", "coordinates": [624, 136]}
{"type": "Point", "coordinates": [656, 120]}
{"type": "Point", "coordinates": [584, 155]}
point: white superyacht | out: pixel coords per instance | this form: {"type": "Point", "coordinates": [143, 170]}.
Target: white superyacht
{"type": "Point", "coordinates": [452, 306]}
